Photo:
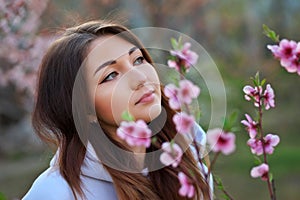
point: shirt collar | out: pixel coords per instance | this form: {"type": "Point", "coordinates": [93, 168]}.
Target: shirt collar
{"type": "Point", "coordinates": [91, 166]}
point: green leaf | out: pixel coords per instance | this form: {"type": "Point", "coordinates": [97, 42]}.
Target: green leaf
{"type": "Point", "coordinates": [233, 117]}
{"type": "Point", "coordinates": [174, 43]}
{"type": "Point", "coordinates": [270, 177]}
{"type": "Point", "coordinates": [126, 116]}
{"type": "Point", "coordinates": [254, 81]}
{"type": "Point", "coordinates": [230, 121]}
{"type": "Point", "coordinates": [257, 79]}
{"type": "Point", "coordinates": [153, 140]}
{"type": "Point", "coordinates": [197, 115]}
{"type": "Point", "coordinates": [257, 160]}
{"type": "Point", "coordinates": [263, 82]}
{"type": "Point", "coordinates": [270, 33]}
{"type": "Point", "coordinates": [180, 45]}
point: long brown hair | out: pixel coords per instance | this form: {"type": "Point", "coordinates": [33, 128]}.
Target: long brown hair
{"type": "Point", "coordinates": [53, 121]}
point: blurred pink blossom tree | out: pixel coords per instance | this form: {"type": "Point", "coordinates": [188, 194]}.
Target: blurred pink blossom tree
{"type": "Point", "coordinates": [22, 46]}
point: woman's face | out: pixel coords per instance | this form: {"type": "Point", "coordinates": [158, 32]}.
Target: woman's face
{"type": "Point", "coordinates": [119, 80]}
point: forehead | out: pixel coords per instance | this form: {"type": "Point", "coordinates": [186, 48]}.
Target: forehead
{"type": "Point", "coordinates": [106, 48]}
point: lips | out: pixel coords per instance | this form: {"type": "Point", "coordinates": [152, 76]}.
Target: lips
{"type": "Point", "coordinates": [146, 97]}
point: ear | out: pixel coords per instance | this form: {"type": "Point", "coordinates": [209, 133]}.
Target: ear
{"type": "Point", "coordinates": [92, 118]}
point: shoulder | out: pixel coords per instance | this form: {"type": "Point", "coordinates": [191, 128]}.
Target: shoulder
{"type": "Point", "coordinates": [98, 189]}
{"type": "Point", "coordinates": [49, 185]}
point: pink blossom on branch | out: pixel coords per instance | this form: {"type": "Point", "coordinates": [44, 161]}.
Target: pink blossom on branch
{"type": "Point", "coordinates": [187, 91]}
{"type": "Point", "coordinates": [260, 171]}
{"type": "Point", "coordinates": [184, 58]}
{"type": "Point", "coordinates": [172, 154]}
{"type": "Point", "coordinates": [259, 96]}
{"type": "Point", "coordinates": [253, 93]}
{"type": "Point", "coordinates": [135, 133]}
{"type": "Point", "coordinates": [269, 97]}
{"type": "Point", "coordinates": [186, 189]}
{"type": "Point", "coordinates": [183, 122]}
{"type": "Point", "coordinates": [174, 64]}
{"type": "Point", "coordinates": [288, 53]}
{"type": "Point", "coordinates": [171, 91]}
{"type": "Point", "coordinates": [251, 126]}
{"type": "Point", "coordinates": [221, 141]}
{"type": "Point", "coordinates": [255, 146]}
{"type": "Point", "coordinates": [285, 50]}
{"type": "Point", "coordinates": [271, 141]}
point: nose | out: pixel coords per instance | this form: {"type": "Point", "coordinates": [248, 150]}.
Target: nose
{"type": "Point", "coordinates": [136, 78]}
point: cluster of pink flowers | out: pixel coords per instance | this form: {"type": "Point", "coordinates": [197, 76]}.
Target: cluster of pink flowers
{"type": "Point", "coordinates": [258, 147]}
{"type": "Point", "coordinates": [258, 143]}
{"type": "Point", "coordinates": [288, 52]}
{"type": "Point", "coordinates": [259, 96]}
{"type": "Point", "coordinates": [19, 24]}
{"type": "Point", "coordinates": [181, 97]}
{"type": "Point", "coordinates": [172, 154]}
{"type": "Point", "coordinates": [184, 94]}
{"type": "Point", "coordinates": [182, 58]}
{"type": "Point", "coordinates": [135, 133]}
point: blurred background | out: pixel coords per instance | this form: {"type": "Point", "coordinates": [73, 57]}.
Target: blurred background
{"type": "Point", "coordinates": [231, 32]}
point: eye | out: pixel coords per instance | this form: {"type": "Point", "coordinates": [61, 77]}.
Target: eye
{"type": "Point", "coordinates": [110, 77]}
{"type": "Point", "coordinates": [139, 60]}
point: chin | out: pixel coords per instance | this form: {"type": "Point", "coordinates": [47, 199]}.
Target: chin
{"type": "Point", "coordinates": [150, 114]}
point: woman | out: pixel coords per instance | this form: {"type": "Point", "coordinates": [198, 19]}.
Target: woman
{"type": "Point", "coordinates": [87, 79]}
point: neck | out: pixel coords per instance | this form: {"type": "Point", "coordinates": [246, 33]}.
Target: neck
{"type": "Point", "coordinates": [138, 151]}
{"type": "Point", "coordinates": [139, 154]}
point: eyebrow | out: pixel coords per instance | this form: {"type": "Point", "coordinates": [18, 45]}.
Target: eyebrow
{"type": "Point", "coordinates": [110, 62]}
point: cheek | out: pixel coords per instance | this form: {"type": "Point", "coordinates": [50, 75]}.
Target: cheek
{"type": "Point", "coordinates": [153, 77]}
{"type": "Point", "coordinates": [111, 102]}
{"type": "Point", "coordinates": [102, 104]}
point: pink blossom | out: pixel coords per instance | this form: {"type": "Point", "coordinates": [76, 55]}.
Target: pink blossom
{"type": "Point", "coordinates": [288, 52]}
{"type": "Point", "coordinates": [271, 141]}
{"type": "Point", "coordinates": [171, 91]}
{"type": "Point", "coordinates": [298, 58]}
{"type": "Point", "coordinates": [291, 65]}
{"type": "Point", "coordinates": [135, 133]}
{"type": "Point", "coordinates": [255, 146]}
{"type": "Point", "coordinates": [251, 126]}
{"type": "Point", "coordinates": [260, 171]}
{"type": "Point", "coordinates": [285, 49]}
{"type": "Point", "coordinates": [185, 58]}
{"type": "Point", "coordinates": [221, 141]}
{"type": "Point", "coordinates": [186, 189]}
{"type": "Point", "coordinates": [187, 91]}
{"type": "Point", "coordinates": [172, 154]}
{"type": "Point", "coordinates": [184, 94]}
{"type": "Point", "coordinates": [173, 64]}
{"type": "Point", "coordinates": [254, 93]}
{"type": "Point", "coordinates": [269, 97]}
{"type": "Point", "coordinates": [183, 122]}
